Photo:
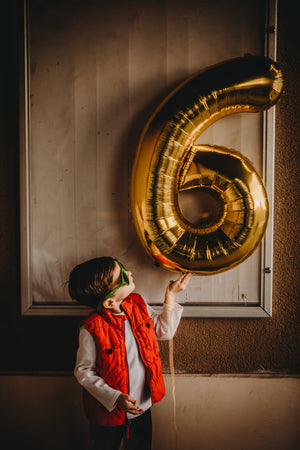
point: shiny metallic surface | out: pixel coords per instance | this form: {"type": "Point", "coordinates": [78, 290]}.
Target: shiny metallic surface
{"type": "Point", "coordinates": [171, 174]}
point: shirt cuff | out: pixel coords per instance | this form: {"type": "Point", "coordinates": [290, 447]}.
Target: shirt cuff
{"type": "Point", "coordinates": [110, 406]}
{"type": "Point", "coordinates": [171, 307]}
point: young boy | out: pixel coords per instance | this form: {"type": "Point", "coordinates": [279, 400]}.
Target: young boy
{"type": "Point", "coordinates": [118, 362]}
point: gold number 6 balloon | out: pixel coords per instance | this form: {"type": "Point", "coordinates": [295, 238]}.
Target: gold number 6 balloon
{"type": "Point", "coordinates": [170, 172]}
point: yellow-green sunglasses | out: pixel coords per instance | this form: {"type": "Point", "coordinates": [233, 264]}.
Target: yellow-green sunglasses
{"type": "Point", "coordinates": [124, 282]}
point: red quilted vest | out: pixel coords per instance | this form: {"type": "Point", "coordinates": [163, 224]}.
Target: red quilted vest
{"type": "Point", "coordinates": [108, 332]}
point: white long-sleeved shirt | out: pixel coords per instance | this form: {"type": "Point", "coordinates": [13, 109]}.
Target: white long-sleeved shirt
{"type": "Point", "coordinates": [165, 325]}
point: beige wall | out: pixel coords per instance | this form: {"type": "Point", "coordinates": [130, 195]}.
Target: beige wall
{"type": "Point", "coordinates": [213, 413]}
{"type": "Point", "coordinates": [43, 413]}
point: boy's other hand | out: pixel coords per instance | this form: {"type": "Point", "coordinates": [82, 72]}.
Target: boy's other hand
{"type": "Point", "coordinates": [128, 404]}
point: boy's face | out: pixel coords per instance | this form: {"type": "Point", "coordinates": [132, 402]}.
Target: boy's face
{"type": "Point", "coordinates": [114, 302]}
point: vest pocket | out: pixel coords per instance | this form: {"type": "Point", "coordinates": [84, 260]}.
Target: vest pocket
{"type": "Point", "coordinates": [110, 364]}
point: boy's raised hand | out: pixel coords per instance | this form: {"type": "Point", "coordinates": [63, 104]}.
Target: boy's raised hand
{"type": "Point", "coordinates": [180, 284]}
{"type": "Point", "coordinates": [176, 286]}
{"type": "Point", "coordinates": [128, 404]}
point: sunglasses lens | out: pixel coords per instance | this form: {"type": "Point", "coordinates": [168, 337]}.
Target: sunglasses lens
{"type": "Point", "coordinates": [121, 265]}
{"type": "Point", "coordinates": [126, 278]}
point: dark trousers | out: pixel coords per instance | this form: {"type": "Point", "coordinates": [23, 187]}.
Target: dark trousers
{"type": "Point", "coordinates": [137, 434]}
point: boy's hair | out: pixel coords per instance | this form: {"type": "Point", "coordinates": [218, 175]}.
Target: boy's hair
{"type": "Point", "coordinates": [90, 281]}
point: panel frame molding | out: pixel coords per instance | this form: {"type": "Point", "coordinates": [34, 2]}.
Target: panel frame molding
{"type": "Point", "coordinates": [264, 310]}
